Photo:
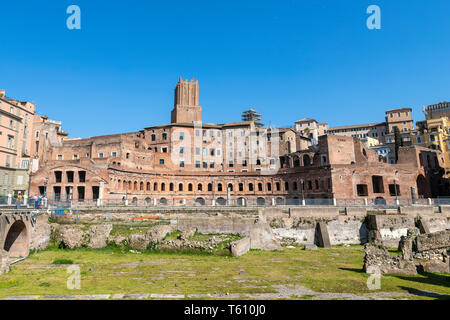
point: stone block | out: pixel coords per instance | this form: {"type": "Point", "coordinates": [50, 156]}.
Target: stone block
{"type": "Point", "coordinates": [310, 247]}
{"type": "Point", "coordinates": [417, 210]}
{"type": "Point", "coordinates": [240, 247]}
{"type": "Point", "coordinates": [261, 237]}
{"type": "Point", "coordinates": [316, 212]}
{"type": "Point", "coordinates": [323, 239]}
{"type": "Point", "coordinates": [423, 226]}
{"type": "Point", "coordinates": [432, 241]}
{"type": "Point", "coordinates": [4, 261]}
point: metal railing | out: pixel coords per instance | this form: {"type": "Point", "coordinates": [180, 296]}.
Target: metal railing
{"type": "Point", "coordinates": [249, 202]}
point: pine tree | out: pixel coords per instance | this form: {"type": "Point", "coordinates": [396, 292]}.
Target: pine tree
{"type": "Point", "coordinates": [398, 142]}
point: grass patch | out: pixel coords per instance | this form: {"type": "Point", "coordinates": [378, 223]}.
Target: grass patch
{"type": "Point", "coordinates": [62, 261]}
{"type": "Point", "coordinates": [116, 270]}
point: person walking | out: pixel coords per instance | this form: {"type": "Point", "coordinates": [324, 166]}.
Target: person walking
{"type": "Point", "coordinates": [19, 201]}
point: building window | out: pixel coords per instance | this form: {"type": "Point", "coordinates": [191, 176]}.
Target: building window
{"type": "Point", "coordinates": [377, 183]}
{"type": "Point", "coordinates": [59, 157]}
{"type": "Point", "coordinates": [25, 164]}
{"type": "Point", "coordinates": [164, 136]}
{"type": "Point", "coordinates": [181, 150]}
{"type": "Point", "coordinates": [10, 141]}
{"type": "Point", "coordinates": [394, 190]}
{"type": "Point", "coordinates": [153, 137]}
{"type": "Point", "coordinates": [58, 176]}
{"type": "Point", "coordinates": [75, 157]}
{"type": "Point", "coordinates": [114, 154]}
{"type": "Point", "coordinates": [161, 161]}
{"type": "Point", "coordinates": [181, 135]}
{"type": "Point", "coordinates": [181, 164]}
{"type": "Point", "coordinates": [100, 155]}
{"type": "Point", "coordinates": [69, 176]}
{"type": "Point", "coordinates": [361, 190]}
{"type": "Point", "coordinates": [197, 164]}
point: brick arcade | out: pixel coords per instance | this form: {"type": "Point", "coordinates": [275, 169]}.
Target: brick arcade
{"type": "Point", "coordinates": [189, 162]}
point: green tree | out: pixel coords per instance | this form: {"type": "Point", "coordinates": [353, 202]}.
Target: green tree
{"type": "Point", "coordinates": [398, 142]}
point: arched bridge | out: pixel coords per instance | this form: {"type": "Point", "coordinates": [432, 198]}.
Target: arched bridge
{"type": "Point", "coordinates": [15, 231]}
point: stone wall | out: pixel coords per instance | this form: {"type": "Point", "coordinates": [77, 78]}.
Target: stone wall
{"type": "Point", "coordinates": [40, 233]}
{"type": "Point", "coordinates": [427, 252]}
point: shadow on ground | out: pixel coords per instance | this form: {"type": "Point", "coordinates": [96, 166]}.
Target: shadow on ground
{"type": "Point", "coordinates": [427, 278]}
{"type": "Point", "coordinates": [353, 270]}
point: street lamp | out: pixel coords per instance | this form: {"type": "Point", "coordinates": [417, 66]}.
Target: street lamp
{"type": "Point", "coordinates": [395, 187]}
{"type": "Point", "coordinates": [303, 193]}
{"type": "Point", "coordinates": [45, 187]}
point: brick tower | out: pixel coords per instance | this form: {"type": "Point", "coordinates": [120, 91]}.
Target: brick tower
{"type": "Point", "coordinates": [186, 108]}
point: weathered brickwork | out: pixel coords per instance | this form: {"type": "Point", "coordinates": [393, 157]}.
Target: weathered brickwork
{"type": "Point", "coordinates": [187, 162]}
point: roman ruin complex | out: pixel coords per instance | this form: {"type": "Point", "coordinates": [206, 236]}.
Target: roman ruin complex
{"type": "Point", "coordinates": [187, 162]}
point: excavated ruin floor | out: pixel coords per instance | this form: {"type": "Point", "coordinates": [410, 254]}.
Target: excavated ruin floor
{"type": "Point", "coordinates": [294, 273]}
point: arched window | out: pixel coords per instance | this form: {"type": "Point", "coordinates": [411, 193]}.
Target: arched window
{"type": "Point", "coordinates": [269, 186]}
{"type": "Point", "coordinates": [135, 185]}
{"type": "Point", "coordinates": [286, 186]}
{"type": "Point", "coordinates": [306, 160]}
{"type": "Point", "coordinates": [219, 187]}
{"type": "Point", "coordinates": [230, 186]}
{"type": "Point", "coordinates": [180, 187]}
{"type": "Point", "coordinates": [278, 186]}
{"type": "Point", "coordinates": [210, 187]}
{"type": "Point", "coordinates": [250, 187]}
{"type": "Point", "coordinates": [241, 187]}
{"type": "Point", "coordinates": [260, 188]}
{"type": "Point", "coordinates": [171, 186]}
{"type": "Point", "coordinates": [200, 187]}
{"type": "Point", "coordinates": [155, 186]}
{"type": "Point", "coordinates": [141, 186]}
{"type": "Point", "coordinates": [190, 187]}
{"type": "Point", "coordinates": [294, 185]}
{"type": "Point", "coordinates": [163, 186]}
{"type": "Point", "coordinates": [148, 186]}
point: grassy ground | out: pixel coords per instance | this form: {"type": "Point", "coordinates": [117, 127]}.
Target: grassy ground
{"type": "Point", "coordinates": [114, 270]}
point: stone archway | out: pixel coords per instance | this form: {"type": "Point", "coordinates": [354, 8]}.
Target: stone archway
{"type": "Point", "coordinates": [306, 160]}
{"type": "Point", "coordinates": [241, 201]}
{"type": "Point", "coordinates": [17, 240]}
{"type": "Point", "coordinates": [260, 201]}
{"type": "Point", "coordinates": [200, 201]}
{"type": "Point", "coordinates": [221, 201]}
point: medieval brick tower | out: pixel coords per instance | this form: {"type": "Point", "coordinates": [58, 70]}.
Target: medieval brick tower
{"type": "Point", "coordinates": [186, 108]}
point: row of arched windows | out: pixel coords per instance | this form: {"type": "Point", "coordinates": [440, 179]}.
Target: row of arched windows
{"type": "Point", "coordinates": [221, 187]}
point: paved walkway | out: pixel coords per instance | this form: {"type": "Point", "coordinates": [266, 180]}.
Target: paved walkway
{"type": "Point", "coordinates": [284, 292]}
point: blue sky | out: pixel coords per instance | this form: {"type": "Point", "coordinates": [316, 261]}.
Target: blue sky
{"type": "Point", "coordinates": [289, 59]}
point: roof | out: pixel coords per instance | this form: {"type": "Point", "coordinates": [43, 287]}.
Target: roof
{"type": "Point", "coordinates": [358, 126]}
{"type": "Point", "coordinates": [305, 119]}
{"type": "Point", "coordinates": [399, 109]}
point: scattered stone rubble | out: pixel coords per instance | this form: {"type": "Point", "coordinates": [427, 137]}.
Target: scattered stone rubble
{"type": "Point", "coordinates": [424, 253]}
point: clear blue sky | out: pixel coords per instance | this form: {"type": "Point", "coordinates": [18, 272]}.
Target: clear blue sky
{"type": "Point", "coordinates": [289, 59]}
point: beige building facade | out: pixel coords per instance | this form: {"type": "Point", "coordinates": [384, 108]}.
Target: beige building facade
{"type": "Point", "coordinates": [16, 121]}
